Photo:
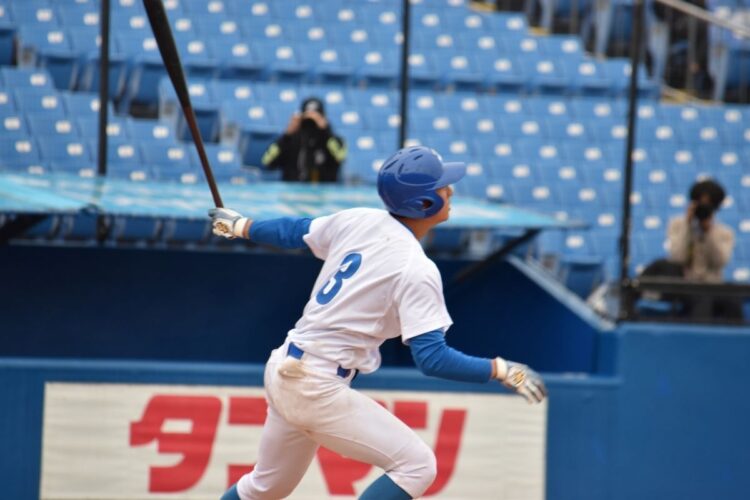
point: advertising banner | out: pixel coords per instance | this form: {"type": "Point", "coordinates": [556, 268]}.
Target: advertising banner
{"type": "Point", "coordinates": [132, 442]}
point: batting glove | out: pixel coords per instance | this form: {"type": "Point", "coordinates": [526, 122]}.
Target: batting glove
{"type": "Point", "coordinates": [521, 379]}
{"type": "Point", "coordinates": [227, 223]}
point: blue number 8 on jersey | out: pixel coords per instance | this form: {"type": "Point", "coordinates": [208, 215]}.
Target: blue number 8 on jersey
{"type": "Point", "coordinates": [347, 268]}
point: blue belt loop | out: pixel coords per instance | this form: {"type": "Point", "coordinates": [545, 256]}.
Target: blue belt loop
{"type": "Point", "coordinates": [294, 351]}
{"type": "Point", "coordinates": [297, 353]}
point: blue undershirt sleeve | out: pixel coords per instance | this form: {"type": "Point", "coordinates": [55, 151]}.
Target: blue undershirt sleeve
{"type": "Point", "coordinates": [436, 359]}
{"type": "Point", "coordinates": [285, 232]}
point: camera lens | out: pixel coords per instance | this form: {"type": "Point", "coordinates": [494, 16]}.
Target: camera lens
{"type": "Point", "coordinates": [703, 211]}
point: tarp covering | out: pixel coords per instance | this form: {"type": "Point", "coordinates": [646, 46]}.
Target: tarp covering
{"type": "Point", "coordinates": [65, 193]}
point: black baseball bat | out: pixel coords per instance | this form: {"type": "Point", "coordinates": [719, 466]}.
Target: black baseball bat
{"type": "Point", "coordinates": [157, 17]}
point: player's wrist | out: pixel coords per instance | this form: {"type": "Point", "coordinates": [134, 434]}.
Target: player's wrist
{"type": "Point", "coordinates": [241, 227]}
{"type": "Point", "coordinates": [499, 368]}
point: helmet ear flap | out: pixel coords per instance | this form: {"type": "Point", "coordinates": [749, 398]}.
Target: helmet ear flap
{"type": "Point", "coordinates": [430, 204]}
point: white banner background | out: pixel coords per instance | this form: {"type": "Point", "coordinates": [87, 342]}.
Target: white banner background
{"type": "Point", "coordinates": [87, 451]}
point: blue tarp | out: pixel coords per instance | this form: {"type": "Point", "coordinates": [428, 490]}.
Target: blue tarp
{"type": "Point", "coordinates": [65, 193]}
{"type": "Point", "coordinates": [34, 195]}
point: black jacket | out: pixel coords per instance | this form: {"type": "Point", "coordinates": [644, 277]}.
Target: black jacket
{"type": "Point", "coordinates": [308, 155]}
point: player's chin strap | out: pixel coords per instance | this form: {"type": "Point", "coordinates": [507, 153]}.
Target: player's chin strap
{"type": "Point", "coordinates": [521, 379]}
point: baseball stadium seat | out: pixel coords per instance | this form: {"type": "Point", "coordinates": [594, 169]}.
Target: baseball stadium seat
{"type": "Point", "coordinates": [41, 126]}
{"type": "Point", "coordinates": [13, 126]}
{"type": "Point", "coordinates": [18, 152]}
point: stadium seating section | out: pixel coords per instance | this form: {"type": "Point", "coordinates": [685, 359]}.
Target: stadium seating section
{"type": "Point", "coordinates": [540, 122]}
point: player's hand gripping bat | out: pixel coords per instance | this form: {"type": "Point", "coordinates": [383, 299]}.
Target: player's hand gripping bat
{"type": "Point", "coordinates": [157, 17]}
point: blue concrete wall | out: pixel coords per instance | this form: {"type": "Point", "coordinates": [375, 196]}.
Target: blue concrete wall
{"type": "Point", "coordinates": [183, 306]}
{"type": "Point", "coordinates": [579, 413]}
{"type": "Point", "coordinates": [683, 413]}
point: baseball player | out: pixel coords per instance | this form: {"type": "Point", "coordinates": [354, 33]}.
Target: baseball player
{"type": "Point", "coordinates": [376, 283]}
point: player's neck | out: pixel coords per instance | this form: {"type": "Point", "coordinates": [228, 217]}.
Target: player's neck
{"type": "Point", "coordinates": [418, 227]}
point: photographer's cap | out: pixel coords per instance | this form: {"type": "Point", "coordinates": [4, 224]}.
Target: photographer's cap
{"type": "Point", "coordinates": [313, 104]}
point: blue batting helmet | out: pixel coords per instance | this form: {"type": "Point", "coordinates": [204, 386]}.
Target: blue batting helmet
{"type": "Point", "coordinates": [409, 179]}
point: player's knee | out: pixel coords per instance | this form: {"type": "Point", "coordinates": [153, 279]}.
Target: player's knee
{"type": "Point", "coordinates": [429, 469]}
{"type": "Point", "coordinates": [420, 471]}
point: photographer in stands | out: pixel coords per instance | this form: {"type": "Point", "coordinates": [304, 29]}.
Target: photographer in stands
{"type": "Point", "coordinates": [700, 244]}
{"type": "Point", "coordinates": [308, 151]}
{"type": "Point", "coordinates": [699, 249]}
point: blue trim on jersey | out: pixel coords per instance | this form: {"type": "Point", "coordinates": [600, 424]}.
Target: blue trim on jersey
{"type": "Point", "coordinates": [285, 232]}
{"type": "Point", "coordinates": [436, 359]}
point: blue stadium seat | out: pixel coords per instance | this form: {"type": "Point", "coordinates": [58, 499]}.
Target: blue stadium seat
{"type": "Point", "coordinates": [460, 70]}
{"type": "Point", "coordinates": [7, 104]}
{"type": "Point", "coordinates": [88, 126]}
{"type": "Point", "coordinates": [141, 173]}
{"type": "Point", "coordinates": [124, 153]}
{"type": "Point", "coordinates": [546, 74]}
{"type": "Point", "coordinates": [155, 153]}
{"type": "Point", "coordinates": [238, 121]}
{"type": "Point", "coordinates": [74, 14]}
{"type": "Point", "coordinates": [239, 92]}
{"type": "Point", "coordinates": [618, 70]}
{"type": "Point", "coordinates": [374, 66]}
{"type": "Point", "coordinates": [149, 130]}
{"type": "Point", "coordinates": [590, 78]}
{"type": "Point", "coordinates": [65, 150]}
{"type": "Point", "coordinates": [605, 242]}
{"type": "Point", "coordinates": [504, 73]}
{"type": "Point", "coordinates": [577, 243]}
{"type": "Point", "coordinates": [226, 164]}
{"type": "Point", "coordinates": [185, 231]}
{"type": "Point", "coordinates": [35, 14]}
{"type": "Point", "coordinates": [548, 107]}
{"type": "Point", "coordinates": [327, 65]}
{"type": "Point", "coordinates": [13, 77]}
{"type": "Point", "coordinates": [80, 104]}
{"type": "Point", "coordinates": [146, 71]}
{"type": "Point", "coordinates": [30, 167]}
{"type": "Point", "coordinates": [560, 174]}
{"type": "Point", "coordinates": [236, 59]}
{"type": "Point", "coordinates": [582, 274]}
{"type": "Point", "coordinates": [220, 27]}
{"type": "Point", "coordinates": [204, 106]}
{"type": "Point", "coordinates": [196, 57]}
{"type": "Point", "coordinates": [280, 59]}
{"type": "Point", "coordinates": [15, 152]}
{"type": "Point", "coordinates": [7, 35]}
{"type": "Point", "coordinates": [135, 229]}
{"type": "Point", "coordinates": [41, 126]}
{"type": "Point", "coordinates": [82, 226]}
{"type": "Point", "coordinates": [50, 49]}
{"type": "Point", "coordinates": [362, 166]}
{"type": "Point", "coordinates": [562, 128]}
{"type": "Point", "coordinates": [13, 126]}
{"type": "Point", "coordinates": [85, 42]}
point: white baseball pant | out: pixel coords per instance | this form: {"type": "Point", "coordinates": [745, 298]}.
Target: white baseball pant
{"type": "Point", "coordinates": [309, 405]}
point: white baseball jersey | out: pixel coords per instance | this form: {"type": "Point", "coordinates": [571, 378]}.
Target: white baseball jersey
{"type": "Point", "coordinates": [376, 283]}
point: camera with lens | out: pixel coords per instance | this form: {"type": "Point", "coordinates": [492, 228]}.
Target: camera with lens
{"type": "Point", "coordinates": [708, 196]}
{"type": "Point", "coordinates": [703, 211]}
